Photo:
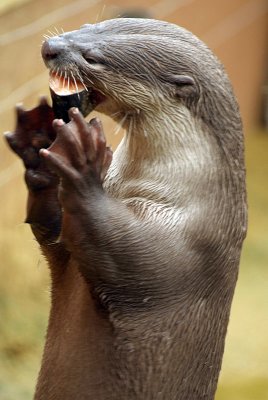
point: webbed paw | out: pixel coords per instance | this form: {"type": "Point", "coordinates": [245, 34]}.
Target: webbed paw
{"type": "Point", "coordinates": [79, 155]}
{"type": "Point", "coordinates": [34, 131]}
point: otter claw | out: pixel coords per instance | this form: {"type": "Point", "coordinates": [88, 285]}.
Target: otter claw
{"type": "Point", "coordinates": [19, 108]}
{"type": "Point", "coordinates": [20, 111]}
{"type": "Point", "coordinates": [43, 101]}
{"type": "Point", "coordinates": [11, 140]}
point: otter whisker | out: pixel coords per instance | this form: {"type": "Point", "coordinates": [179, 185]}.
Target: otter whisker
{"type": "Point", "coordinates": [100, 14]}
{"type": "Point", "coordinates": [90, 81]}
{"type": "Point", "coordinates": [102, 11]}
{"type": "Point", "coordinates": [81, 80]}
{"type": "Point", "coordinates": [120, 124]}
{"type": "Point", "coordinates": [56, 30]}
{"type": "Point", "coordinates": [51, 33]}
{"type": "Point", "coordinates": [75, 83]}
{"type": "Point", "coordinates": [115, 114]}
{"type": "Point", "coordinates": [97, 18]}
{"type": "Point", "coordinates": [62, 30]}
{"type": "Point", "coordinates": [84, 86]}
{"type": "Point", "coordinates": [65, 78]}
{"type": "Point", "coordinates": [131, 124]}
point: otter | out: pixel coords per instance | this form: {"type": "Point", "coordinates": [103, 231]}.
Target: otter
{"type": "Point", "coordinates": [143, 245]}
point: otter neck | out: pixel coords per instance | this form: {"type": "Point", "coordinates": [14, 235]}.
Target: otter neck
{"type": "Point", "coordinates": [163, 154]}
{"type": "Point", "coordinates": [169, 136]}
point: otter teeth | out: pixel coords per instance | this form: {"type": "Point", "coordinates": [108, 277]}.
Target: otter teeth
{"type": "Point", "coordinates": [64, 85]}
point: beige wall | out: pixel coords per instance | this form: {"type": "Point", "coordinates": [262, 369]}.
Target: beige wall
{"type": "Point", "coordinates": [235, 29]}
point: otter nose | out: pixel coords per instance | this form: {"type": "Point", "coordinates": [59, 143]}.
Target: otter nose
{"type": "Point", "coordinates": [52, 48]}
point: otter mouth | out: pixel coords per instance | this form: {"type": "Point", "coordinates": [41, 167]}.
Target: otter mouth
{"type": "Point", "coordinates": [68, 91]}
{"type": "Point", "coordinates": [63, 85]}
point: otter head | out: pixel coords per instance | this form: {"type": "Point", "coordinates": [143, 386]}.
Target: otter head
{"type": "Point", "coordinates": [133, 64]}
{"type": "Point", "coordinates": [144, 67]}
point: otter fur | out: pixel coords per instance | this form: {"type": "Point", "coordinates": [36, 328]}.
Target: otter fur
{"type": "Point", "coordinates": [144, 245]}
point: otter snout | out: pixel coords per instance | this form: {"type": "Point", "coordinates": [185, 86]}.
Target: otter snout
{"type": "Point", "coordinates": [53, 49]}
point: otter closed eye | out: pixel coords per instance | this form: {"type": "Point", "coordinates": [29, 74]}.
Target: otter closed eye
{"type": "Point", "coordinates": [143, 245]}
{"type": "Point", "coordinates": [91, 60]}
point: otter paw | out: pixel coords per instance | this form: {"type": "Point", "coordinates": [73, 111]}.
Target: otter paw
{"type": "Point", "coordinates": [79, 154]}
{"type": "Point", "coordinates": [34, 131]}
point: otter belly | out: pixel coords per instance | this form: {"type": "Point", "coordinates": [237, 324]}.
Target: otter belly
{"type": "Point", "coordinates": [95, 355]}
{"type": "Point", "coordinates": [76, 359]}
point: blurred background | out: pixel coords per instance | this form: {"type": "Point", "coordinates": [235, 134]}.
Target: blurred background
{"type": "Point", "coordinates": [236, 30]}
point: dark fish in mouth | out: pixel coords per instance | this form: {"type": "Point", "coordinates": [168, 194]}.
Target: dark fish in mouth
{"type": "Point", "coordinates": [67, 93]}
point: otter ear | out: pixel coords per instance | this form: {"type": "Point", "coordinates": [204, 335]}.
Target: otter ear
{"type": "Point", "coordinates": [184, 85]}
